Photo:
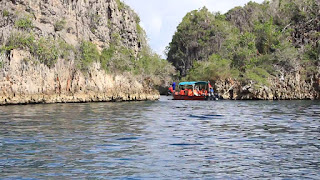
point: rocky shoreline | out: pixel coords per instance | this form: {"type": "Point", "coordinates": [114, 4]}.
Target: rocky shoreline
{"type": "Point", "coordinates": [289, 87]}
{"type": "Point", "coordinates": [43, 57]}
{"type": "Point", "coordinates": [76, 98]}
{"type": "Point", "coordinates": [23, 83]}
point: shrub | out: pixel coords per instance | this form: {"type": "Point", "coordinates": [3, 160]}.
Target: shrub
{"type": "Point", "coordinates": [20, 40]}
{"type": "Point", "coordinates": [139, 29]}
{"type": "Point", "coordinates": [106, 56]}
{"type": "Point", "coordinates": [24, 23]}
{"type": "Point", "coordinates": [137, 19]}
{"type": "Point", "coordinates": [115, 39]}
{"type": "Point", "coordinates": [65, 49]}
{"type": "Point", "coordinates": [286, 55]}
{"type": "Point", "coordinates": [120, 4]}
{"type": "Point", "coordinates": [151, 65]}
{"type": "Point", "coordinates": [311, 53]}
{"type": "Point", "coordinates": [5, 13]}
{"type": "Point", "coordinates": [59, 25]}
{"type": "Point", "coordinates": [258, 75]}
{"type": "Point", "coordinates": [89, 54]}
{"type": "Point", "coordinates": [215, 68]}
{"type": "Point", "coordinates": [122, 60]}
{"type": "Point", "coordinates": [47, 51]}
{"type": "Point", "coordinates": [267, 36]}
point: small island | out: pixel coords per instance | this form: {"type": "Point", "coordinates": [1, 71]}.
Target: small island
{"type": "Point", "coordinates": [268, 51]}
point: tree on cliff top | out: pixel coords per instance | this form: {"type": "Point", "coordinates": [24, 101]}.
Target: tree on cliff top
{"type": "Point", "coordinates": [191, 39]}
{"type": "Point", "coordinates": [255, 41]}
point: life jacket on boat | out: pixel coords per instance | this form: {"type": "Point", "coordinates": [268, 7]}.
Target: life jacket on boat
{"type": "Point", "coordinates": [201, 92]}
{"type": "Point", "coordinates": [182, 92]}
{"type": "Point", "coordinates": [171, 89]}
{"type": "Point", "coordinates": [195, 92]}
{"type": "Point", "coordinates": [190, 92]}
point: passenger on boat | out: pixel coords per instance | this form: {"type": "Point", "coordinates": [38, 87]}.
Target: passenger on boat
{"type": "Point", "coordinates": [190, 92]}
{"type": "Point", "coordinates": [202, 92]}
{"type": "Point", "coordinates": [196, 91]}
{"type": "Point", "coordinates": [186, 92]}
{"type": "Point", "coordinates": [171, 89]}
{"type": "Point", "coordinates": [182, 92]}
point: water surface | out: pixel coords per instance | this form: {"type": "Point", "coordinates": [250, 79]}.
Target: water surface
{"type": "Point", "coordinates": [164, 140]}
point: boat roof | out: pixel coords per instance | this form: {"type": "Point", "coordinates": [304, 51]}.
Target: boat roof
{"type": "Point", "coordinates": [192, 83]}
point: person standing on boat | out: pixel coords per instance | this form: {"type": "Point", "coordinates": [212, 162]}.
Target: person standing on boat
{"type": "Point", "coordinates": [174, 86]}
{"type": "Point", "coordinates": [211, 92]}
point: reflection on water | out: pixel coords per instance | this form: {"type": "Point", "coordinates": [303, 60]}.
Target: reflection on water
{"type": "Point", "coordinates": [164, 139]}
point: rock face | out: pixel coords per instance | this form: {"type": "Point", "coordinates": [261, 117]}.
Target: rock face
{"type": "Point", "coordinates": [97, 21]}
{"type": "Point", "coordinates": [287, 87]}
{"type": "Point", "coordinates": [89, 20]}
{"type": "Point", "coordinates": [22, 83]}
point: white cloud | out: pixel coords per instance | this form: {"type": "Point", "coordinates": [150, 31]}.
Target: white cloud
{"type": "Point", "coordinates": [161, 17]}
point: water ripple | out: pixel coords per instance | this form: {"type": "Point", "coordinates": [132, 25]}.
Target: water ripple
{"type": "Point", "coordinates": [161, 140]}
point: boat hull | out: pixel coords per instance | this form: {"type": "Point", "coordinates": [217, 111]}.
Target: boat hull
{"type": "Point", "coordinates": [184, 97]}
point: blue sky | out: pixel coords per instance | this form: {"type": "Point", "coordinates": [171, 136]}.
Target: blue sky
{"type": "Point", "coordinates": [160, 18]}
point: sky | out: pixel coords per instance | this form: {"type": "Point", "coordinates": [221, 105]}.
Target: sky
{"type": "Point", "coordinates": [160, 18]}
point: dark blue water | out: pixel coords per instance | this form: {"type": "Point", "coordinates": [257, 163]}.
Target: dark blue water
{"type": "Point", "coordinates": [162, 140]}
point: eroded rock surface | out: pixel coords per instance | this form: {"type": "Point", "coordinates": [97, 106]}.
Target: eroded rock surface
{"type": "Point", "coordinates": [23, 80]}
{"type": "Point", "coordinates": [287, 87]}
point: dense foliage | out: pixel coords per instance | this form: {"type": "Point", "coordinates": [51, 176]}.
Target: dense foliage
{"type": "Point", "coordinates": [248, 43]}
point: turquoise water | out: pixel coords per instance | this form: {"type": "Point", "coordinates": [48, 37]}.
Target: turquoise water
{"type": "Point", "coordinates": [162, 140]}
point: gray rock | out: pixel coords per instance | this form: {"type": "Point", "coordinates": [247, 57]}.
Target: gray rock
{"type": "Point", "coordinates": [24, 80]}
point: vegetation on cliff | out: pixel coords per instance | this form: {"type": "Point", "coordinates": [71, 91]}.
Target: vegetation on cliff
{"type": "Point", "coordinates": [248, 43]}
{"type": "Point", "coordinates": [120, 51]}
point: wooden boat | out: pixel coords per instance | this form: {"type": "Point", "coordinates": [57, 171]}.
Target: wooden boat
{"type": "Point", "coordinates": [186, 97]}
{"type": "Point", "coordinates": [195, 90]}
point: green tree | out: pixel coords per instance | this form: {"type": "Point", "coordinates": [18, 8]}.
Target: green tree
{"type": "Point", "coordinates": [267, 36]}
{"type": "Point", "coordinates": [89, 54]}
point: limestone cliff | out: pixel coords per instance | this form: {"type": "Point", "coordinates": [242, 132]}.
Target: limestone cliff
{"type": "Point", "coordinates": [32, 71]}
